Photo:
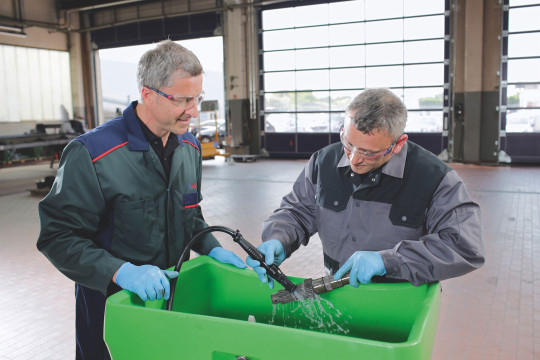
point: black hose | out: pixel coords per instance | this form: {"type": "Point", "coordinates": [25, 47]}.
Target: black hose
{"type": "Point", "coordinates": [186, 250]}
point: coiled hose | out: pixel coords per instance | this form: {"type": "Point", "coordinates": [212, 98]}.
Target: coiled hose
{"type": "Point", "coordinates": [272, 270]}
{"type": "Point", "coordinates": [186, 250]}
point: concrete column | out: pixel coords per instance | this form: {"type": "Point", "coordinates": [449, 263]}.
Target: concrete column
{"type": "Point", "coordinates": [476, 32]}
{"type": "Point", "coordinates": [239, 33]}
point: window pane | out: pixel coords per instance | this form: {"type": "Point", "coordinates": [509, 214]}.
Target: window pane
{"type": "Point", "coordinates": [523, 19]}
{"type": "Point", "coordinates": [422, 75]}
{"type": "Point", "coordinates": [312, 58]}
{"type": "Point", "coordinates": [424, 27]}
{"type": "Point", "coordinates": [347, 78]}
{"type": "Point", "coordinates": [523, 95]}
{"type": "Point", "coordinates": [278, 19]}
{"type": "Point", "coordinates": [311, 15]}
{"type": "Point", "coordinates": [382, 54]}
{"type": "Point", "coordinates": [346, 11]}
{"type": "Point", "coordinates": [313, 101]}
{"type": "Point", "coordinates": [347, 34]}
{"type": "Point", "coordinates": [524, 44]}
{"type": "Point", "coordinates": [376, 9]}
{"type": "Point", "coordinates": [279, 39]}
{"type": "Point", "coordinates": [313, 123]}
{"type": "Point", "coordinates": [279, 60]}
{"type": "Point", "coordinates": [388, 30]}
{"type": "Point", "coordinates": [336, 121]}
{"type": "Point", "coordinates": [311, 37]}
{"type": "Point", "coordinates": [421, 7]}
{"type": "Point", "coordinates": [280, 122]}
{"type": "Point", "coordinates": [347, 56]}
{"type": "Point", "coordinates": [279, 81]}
{"type": "Point", "coordinates": [423, 98]}
{"type": "Point", "coordinates": [340, 99]}
{"type": "Point", "coordinates": [279, 102]}
{"type": "Point", "coordinates": [424, 51]}
{"type": "Point", "coordinates": [387, 76]}
{"type": "Point", "coordinates": [312, 80]}
{"type": "Point", "coordinates": [523, 120]}
{"type": "Point", "coordinates": [424, 121]}
{"type": "Point", "coordinates": [524, 70]}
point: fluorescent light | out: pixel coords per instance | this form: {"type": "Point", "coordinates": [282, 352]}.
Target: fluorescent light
{"type": "Point", "coordinates": [12, 31]}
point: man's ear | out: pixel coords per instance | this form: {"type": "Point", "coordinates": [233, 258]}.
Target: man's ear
{"type": "Point", "coordinates": [399, 144]}
{"type": "Point", "coordinates": [145, 94]}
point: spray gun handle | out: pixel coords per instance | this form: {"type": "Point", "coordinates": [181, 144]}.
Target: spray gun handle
{"type": "Point", "coordinates": [272, 270]}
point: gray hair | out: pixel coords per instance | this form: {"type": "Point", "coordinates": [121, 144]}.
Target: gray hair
{"type": "Point", "coordinates": [378, 109]}
{"type": "Point", "coordinates": [157, 67]}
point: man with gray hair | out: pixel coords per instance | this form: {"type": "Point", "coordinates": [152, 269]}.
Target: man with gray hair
{"type": "Point", "coordinates": [382, 205]}
{"type": "Point", "coordinates": [125, 201]}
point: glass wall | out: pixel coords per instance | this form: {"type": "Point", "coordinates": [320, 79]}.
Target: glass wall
{"type": "Point", "coordinates": [522, 66]}
{"type": "Point", "coordinates": [316, 58]}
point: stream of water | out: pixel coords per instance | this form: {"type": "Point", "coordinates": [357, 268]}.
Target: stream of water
{"type": "Point", "coordinates": [313, 314]}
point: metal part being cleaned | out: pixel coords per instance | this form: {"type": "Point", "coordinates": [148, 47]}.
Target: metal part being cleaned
{"type": "Point", "coordinates": [308, 289]}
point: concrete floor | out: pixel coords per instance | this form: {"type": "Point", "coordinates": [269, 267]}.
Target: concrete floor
{"type": "Point", "coordinates": [492, 313]}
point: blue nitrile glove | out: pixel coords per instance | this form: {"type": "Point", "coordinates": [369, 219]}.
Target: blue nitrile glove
{"type": "Point", "coordinates": [274, 253]}
{"type": "Point", "coordinates": [363, 266]}
{"type": "Point", "coordinates": [147, 281]}
{"type": "Point", "coordinates": [227, 257]}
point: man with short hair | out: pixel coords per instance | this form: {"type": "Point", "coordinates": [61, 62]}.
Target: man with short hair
{"type": "Point", "coordinates": [381, 204]}
{"type": "Point", "coordinates": [125, 201]}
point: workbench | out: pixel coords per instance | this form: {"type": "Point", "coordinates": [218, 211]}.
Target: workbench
{"type": "Point", "coordinates": [34, 141]}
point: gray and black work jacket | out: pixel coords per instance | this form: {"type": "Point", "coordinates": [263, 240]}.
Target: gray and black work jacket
{"type": "Point", "coordinates": [414, 211]}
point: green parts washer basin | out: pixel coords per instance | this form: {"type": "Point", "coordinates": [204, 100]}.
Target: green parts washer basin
{"type": "Point", "coordinates": [213, 302]}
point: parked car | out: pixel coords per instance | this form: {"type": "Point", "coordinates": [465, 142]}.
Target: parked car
{"type": "Point", "coordinates": [208, 134]}
{"type": "Point", "coordinates": [194, 125]}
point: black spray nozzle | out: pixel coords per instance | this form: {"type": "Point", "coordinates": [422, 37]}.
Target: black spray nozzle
{"type": "Point", "coordinates": [272, 270]}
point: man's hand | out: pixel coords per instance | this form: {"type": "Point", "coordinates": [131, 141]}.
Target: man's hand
{"type": "Point", "coordinates": [363, 265]}
{"type": "Point", "coordinates": [147, 281]}
{"type": "Point", "coordinates": [227, 257]}
{"type": "Point", "coordinates": [274, 253]}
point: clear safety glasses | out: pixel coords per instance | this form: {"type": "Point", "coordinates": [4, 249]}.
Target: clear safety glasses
{"type": "Point", "coordinates": [186, 102]}
{"type": "Point", "coordinates": [364, 154]}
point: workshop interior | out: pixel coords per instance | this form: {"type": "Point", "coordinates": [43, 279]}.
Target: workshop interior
{"type": "Point", "coordinates": [278, 77]}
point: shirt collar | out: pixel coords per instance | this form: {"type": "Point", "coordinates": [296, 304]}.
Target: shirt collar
{"type": "Point", "coordinates": [394, 167]}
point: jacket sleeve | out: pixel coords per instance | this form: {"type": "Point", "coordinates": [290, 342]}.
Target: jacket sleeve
{"type": "Point", "coordinates": [294, 222]}
{"type": "Point", "coordinates": [70, 217]}
{"type": "Point", "coordinates": [452, 244]}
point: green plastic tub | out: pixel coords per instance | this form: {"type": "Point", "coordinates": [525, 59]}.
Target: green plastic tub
{"type": "Point", "coordinates": [213, 303]}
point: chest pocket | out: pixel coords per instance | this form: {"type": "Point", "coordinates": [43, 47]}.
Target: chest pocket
{"type": "Point", "coordinates": [407, 216]}
{"type": "Point", "coordinates": [330, 214]}
{"type": "Point", "coordinates": [136, 235]}
{"type": "Point", "coordinates": [332, 199]}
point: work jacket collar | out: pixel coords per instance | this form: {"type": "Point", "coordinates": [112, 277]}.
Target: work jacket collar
{"type": "Point", "coordinates": [136, 139]}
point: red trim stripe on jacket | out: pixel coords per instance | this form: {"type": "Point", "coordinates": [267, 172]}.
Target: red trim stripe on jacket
{"type": "Point", "coordinates": [190, 143]}
{"type": "Point", "coordinates": [108, 152]}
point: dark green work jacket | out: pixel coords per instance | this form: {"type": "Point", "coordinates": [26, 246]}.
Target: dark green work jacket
{"type": "Point", "coordinates": [111, 202]}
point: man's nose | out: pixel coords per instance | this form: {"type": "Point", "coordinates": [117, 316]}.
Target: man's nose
{"type": "Point", "coordinates": [193, 111]}
{"type": "Point", "coordinates": [356, 158]}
